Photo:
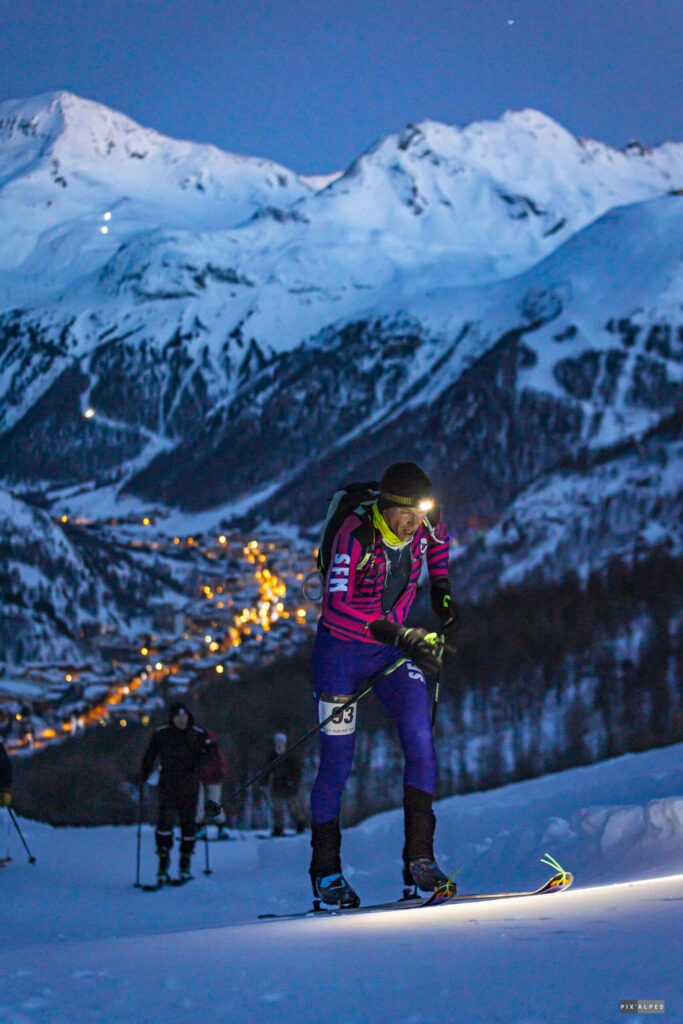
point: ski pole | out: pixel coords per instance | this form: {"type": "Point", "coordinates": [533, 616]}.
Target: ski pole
{"type": "Point", "coordinates": [311, 732]}
{"type": "Point", "coordinates": [207, 869]}
{"type": "Point", "coordinates": [443, 646]}
{"type": "Point", "coordinates": [137, 868]}
{"type": "Point", "coordinates": [7, 858]}
{"type": "Point", "coordinates": [31, 858]}
{"type": "Point", "coordinates": [435, 703]}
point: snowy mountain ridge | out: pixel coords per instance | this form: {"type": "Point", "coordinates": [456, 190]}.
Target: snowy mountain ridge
{"type": "Point", "coordinates": [498, 296]}
{"type": "Point", "coordinates": [484, 201]}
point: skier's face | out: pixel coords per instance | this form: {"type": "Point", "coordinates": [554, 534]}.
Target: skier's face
{"type": "Point", "coordinates": [403, 521]}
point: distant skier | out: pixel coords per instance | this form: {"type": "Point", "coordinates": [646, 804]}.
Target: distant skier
{"type": "Point", "coordinates": [370, 586]}
{"type": "Point", "coordinates": [180, 747]}
{"type": "Point", "coordinates": [213, 773]}
{"type": "Point", "coordinates": [284, 781]}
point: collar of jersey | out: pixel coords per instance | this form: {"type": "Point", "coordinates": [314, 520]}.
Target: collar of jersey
{"type": "Point", "coordinates": [388, 535]}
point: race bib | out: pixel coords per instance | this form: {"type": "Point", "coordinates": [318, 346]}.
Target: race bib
{"type": "Point", "coordinates": [343, 722]}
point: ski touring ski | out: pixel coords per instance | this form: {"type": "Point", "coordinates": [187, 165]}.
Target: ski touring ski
{"type": "Point", "coordinates": [560, 881]}
{"type": "Point", "coordinates": [169, 883]}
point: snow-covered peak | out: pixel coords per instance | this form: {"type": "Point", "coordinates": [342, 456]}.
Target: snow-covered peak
{"type": "Point", "coordinates": [525, 157]}
{"type": "Point", "coordinates": [63, 158]}
{"type": "Point", "coordinates": [68, 125]}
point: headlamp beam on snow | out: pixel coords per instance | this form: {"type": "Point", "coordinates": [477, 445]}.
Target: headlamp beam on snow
{"type": "Point", "coordinates": [425, 505]}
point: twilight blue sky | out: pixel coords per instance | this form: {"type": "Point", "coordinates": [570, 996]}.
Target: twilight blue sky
{"type": "Point", "coordinates": [312, 84]}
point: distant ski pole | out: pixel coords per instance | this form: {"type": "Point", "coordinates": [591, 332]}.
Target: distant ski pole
{"type": "Point", "coordinates": [137, 859]}
{"type": "Point", "coordinates": [207, 869]}
{"type": "Point", "coordinates": [31, 858]}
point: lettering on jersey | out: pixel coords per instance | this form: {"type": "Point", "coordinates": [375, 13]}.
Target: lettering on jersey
{"type": "Point", "coordinates": [338, 579]}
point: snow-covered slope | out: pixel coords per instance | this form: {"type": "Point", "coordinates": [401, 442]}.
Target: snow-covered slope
{"type": "Point", "coordinates": [79, 937]}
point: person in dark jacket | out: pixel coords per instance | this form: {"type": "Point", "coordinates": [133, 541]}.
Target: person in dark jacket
{"type": "Point", "coordinates": [5, 778]}
{"type": "Point", "coordinates": [180, 746]}
{"type": "Point", "coordinates": [285, 779]}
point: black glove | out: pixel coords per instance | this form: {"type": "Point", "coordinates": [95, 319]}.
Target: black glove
{"type": "Point", "coordinates": [412, 642]}
{"type": "Point", "coordinates": [446, 609]}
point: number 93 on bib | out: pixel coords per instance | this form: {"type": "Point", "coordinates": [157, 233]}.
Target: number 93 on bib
{"type": "Point", "coordinates": [343, 721]}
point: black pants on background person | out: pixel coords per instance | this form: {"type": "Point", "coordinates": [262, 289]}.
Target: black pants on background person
{"type": "Point", "coordinates": [177, 803]}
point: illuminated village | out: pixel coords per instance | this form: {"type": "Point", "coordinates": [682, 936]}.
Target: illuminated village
{"type": "Point", "coordinates": [237, 599]}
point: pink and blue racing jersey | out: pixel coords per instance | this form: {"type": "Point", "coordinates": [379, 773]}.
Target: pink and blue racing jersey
{"type": "Point", "coordinates": [352, 597]}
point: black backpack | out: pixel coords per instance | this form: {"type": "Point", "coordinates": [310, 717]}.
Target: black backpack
{"type": "Point", "coordinates": [355, 498]}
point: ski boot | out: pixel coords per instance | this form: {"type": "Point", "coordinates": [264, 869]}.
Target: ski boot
{"type": "Point", "coordinates": [329, 884]}
{"type": "Point", "coordinates": [162, 869]}
{"type": "Point", "coordinates": [335, 891]}
{"type": "Point", "coordinates": [419, 864]}
{"type": "Point", "coordinates": [222, 832]}
{"type": "Point", "coordinates": [185, 873]}
{"type": "Point", "coordinates": [428, 876]}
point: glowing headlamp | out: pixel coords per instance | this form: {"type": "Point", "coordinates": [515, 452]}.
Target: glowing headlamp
{"type": "Point", "coordinates": [396, 500]}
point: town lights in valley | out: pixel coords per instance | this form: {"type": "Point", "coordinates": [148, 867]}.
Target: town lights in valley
{"type": "Point", "coordinates": [250, 623]}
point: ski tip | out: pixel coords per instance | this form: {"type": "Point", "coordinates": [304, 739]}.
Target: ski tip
{"type": "Point", "coordinates": [562, 880]}
{"type": "Point", "coordinates": [444, 894]}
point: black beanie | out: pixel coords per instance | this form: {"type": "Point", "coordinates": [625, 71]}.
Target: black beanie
{"type": "Point", "coordinates": [176, 708]}
{"type": "Point", "coordinates": [405, 484]}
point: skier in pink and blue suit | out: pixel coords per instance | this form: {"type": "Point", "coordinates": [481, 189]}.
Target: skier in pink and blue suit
{"type": "Point", "coordinates": [361, 636]}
